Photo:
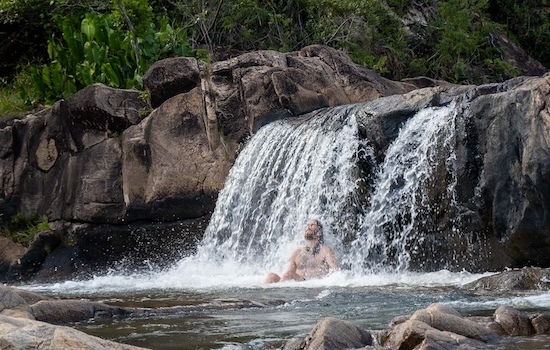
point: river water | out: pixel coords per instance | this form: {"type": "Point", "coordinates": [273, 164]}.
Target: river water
{"type": "Point", "coordinates": [288, 172]}
{"type": "Point", "coordinates": [238, 311]}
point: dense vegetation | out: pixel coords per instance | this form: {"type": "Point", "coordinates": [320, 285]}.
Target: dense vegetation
{"type": "Point", "coordinates": [51, 48]}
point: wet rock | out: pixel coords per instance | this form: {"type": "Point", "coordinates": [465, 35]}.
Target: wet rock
{"type": "Point", "coordinates": [34, 256]}
{"type": "Point", "coordinates": [65, 311]}
{"type": "Point", "coordinates": [9, 299]}
{"type": "Point", "coordinates": [406, 335]}
{"type": "Point", "coordinates": [437, 326]}
{"type": "Point", "coordinates": [435, 339]}
{"type": "Point", "coordinates": [10, 252]}
{"type": "Point", "coordinates": [20, 333]}
{"type": "Point", "coordinates": [444, 318]}
{"type": "Point", "coordinates": [517, 280]}
{"type": "Point", "coordinates": [541, 323]}
{"type": "Point", "coordinates": [20, 326]}
{"type": "Point", "coordinates": [513, 321]}
{"type": "Point", "coordinates": [332, 334]}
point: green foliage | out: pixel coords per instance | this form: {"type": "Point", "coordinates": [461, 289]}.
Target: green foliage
{"type": "Point", "coordinates": [22, 229]}
{"type": "Point", "coordinates": [461, 31]}
{"type": "Point", "coordinates": [96, 49]}
{"type": "Point", "coordinates": [241, 25]}
{"type": "Point", "coordinates": [12, 105]}
{"type": "Point", "coordinates": [114, 42]}
{"type": "Point", "coordinates": [526, 22]}
{"type": "Point", "coordinates": [139, 13]}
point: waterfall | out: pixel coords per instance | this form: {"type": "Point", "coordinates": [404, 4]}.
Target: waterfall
{"type": "Point", "coordinates": [388, 232]}
{"type": "Point", "coordinates": [310, 167]}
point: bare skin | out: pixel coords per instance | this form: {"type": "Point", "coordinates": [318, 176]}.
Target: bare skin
{"type": "Point", "coordinates": [314, 260]}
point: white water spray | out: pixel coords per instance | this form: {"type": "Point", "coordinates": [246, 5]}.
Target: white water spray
{"type": "Point", "coordinates": [289, 171]}
{"type": "Point", "coordinates": [293, 170]}
{"type": "Point", "coordinates": [387, 234]}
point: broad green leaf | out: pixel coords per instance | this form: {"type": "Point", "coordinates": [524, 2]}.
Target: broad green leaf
{"type": "Point", "coordinates": [112, 77]}
{"type": "Point", "coordinates": [88, 27]}
{"type": "Point", "coordinates": [85, 73]}
{"type": "Point", "coordinates": [57, 76]}
{"type": "Point", "coordinates": [46, 76]}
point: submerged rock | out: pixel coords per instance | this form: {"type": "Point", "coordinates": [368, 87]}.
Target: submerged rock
{"type": "Point", "coordinates": [515, 280]}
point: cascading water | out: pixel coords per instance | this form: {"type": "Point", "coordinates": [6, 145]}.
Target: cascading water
{"type": "Point", "coordinates": [310, 167]}
{"type": "Point", "coordinates": [288, 172]}
{"type": "Point", "coordinates": [388, 230]}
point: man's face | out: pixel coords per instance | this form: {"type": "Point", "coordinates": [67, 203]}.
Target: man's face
{"type": "Point", "coordinates": [312, 230]}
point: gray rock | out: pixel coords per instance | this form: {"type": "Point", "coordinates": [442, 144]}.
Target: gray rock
{"type": "Point", "coordinates": [20, 333]}
{"type": "Point", "coordinates": [333, 334]}
{"type": "Point", "coordinates": [541, 323]}
{"type": "Point", "coordinates": [171, 170]}
{"type": "Point", "coordinates": [513, 321]}
{"type": "Point", "coordinates": [438, 327]}
{"type": "Point", "coordinates": [104, 108]}
{"type": "Point", "coordinates": [65, 311]}
{"type": "Point", "coordinates": [509, 281]}
{"type": "Point", "coordinates": [170, 77]}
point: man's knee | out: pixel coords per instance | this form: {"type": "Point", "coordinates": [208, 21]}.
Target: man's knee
{"type": "Point", "coordinates": [272, 278]}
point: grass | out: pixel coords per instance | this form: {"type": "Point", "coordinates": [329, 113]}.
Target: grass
{"type": "Point", "coordinates": [22, 230]}
{"type": "Point", "coordinates": [12, 103]}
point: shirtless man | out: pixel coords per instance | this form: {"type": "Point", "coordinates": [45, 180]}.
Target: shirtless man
{"type": "Point", "coordinates": [314, 260]}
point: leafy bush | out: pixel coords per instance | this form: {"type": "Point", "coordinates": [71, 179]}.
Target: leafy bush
{"type": "Point", "coordinates": [527, 23]}
{"type": "Point", "coordinates": [96, 49]}
{"type": "Point", "coordinates": [462, 31]}
{"type": "Point", "coordinates": [22, 229]}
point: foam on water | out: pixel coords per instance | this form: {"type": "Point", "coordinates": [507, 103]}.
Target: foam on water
{"type": "Point", "coordinates": [207, 278]}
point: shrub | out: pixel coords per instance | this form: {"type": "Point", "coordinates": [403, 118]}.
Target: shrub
{"type": "Point", "coordinates": [96, 49]}
{"type": "Point", "coordinates": [22, 229]}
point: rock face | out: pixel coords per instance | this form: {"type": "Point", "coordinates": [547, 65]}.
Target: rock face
{"type": "Point", "coordinates": [499, 175]}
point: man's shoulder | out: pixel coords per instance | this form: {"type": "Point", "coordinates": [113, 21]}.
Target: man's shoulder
{"type": "Point", "coordinates": [326, 249]}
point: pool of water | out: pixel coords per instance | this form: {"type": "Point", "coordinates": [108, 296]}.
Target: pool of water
{"type": "Point", "coordinates": [240, 312]}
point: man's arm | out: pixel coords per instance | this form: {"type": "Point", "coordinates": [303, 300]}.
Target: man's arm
{"type": "Point", "coordinates": [330, 258]}
{"type": "Point", "coordinates": [291, 273]}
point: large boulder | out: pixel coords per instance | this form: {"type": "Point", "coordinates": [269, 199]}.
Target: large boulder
{"type": "Point", "coordinates": [170, 169]}
{"type": "Point", "coordinates": [21, 333]}
{"type": "Point", "coordinates": [332, 334]}
{"type": "Point", "coordinates": [438, 326]}
{"type": "Point", "coordinates": [170, 77]}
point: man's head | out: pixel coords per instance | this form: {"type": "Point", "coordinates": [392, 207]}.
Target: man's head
{"type": "Point", "coordinates": [314, 230]}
